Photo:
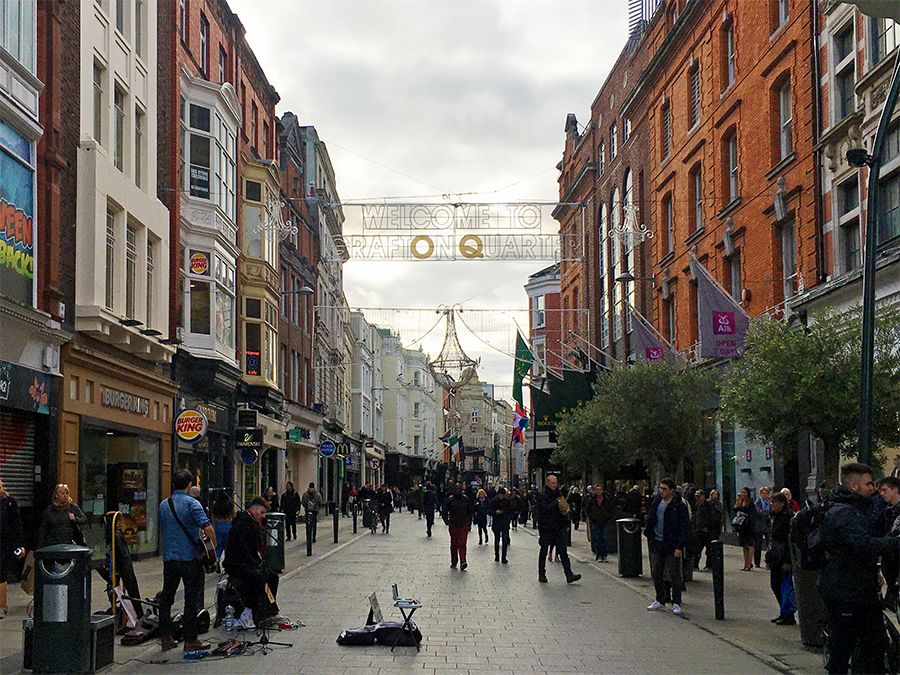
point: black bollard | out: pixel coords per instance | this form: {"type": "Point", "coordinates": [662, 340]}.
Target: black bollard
{"type": "Point", "coordinates": [716, 556]}
{"type": "Point", "coordinates": [354, 519]}
{"type": "Point", "coordinates": [309, 518]}
{"type": "Point", "coordinates": [337, 515]}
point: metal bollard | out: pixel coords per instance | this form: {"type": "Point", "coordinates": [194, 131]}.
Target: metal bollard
{"type": "Point", "coordinates": [337, 516]}
{"type": "Point", "coordinates": [354, 519]}
{"type": "Point", "coordinates": [716, 555]}
{"type": "Point", "coordinates": [309, 518]}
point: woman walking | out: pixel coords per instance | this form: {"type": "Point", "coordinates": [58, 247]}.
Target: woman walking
{"type": "Point", "coordinates": [480, 515]}
{"type": "Point", "coordinates": [385, 507]}
{"type": "Point", "coordinates": [744, 524]}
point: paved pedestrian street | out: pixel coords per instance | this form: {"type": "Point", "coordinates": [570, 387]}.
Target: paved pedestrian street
{"type": "Point", "coordinates": [489, 618]}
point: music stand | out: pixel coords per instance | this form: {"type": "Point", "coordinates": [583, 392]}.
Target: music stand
{"type": "Point", "coordinates": [264, 627]}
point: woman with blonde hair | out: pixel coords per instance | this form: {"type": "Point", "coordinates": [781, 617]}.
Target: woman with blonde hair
{"type": "Point", "coordinates": [62, 520]}
{"type": "Point", "coordinates": [12, 544]}
{"type": "Point", "coordinates": [480, 515]}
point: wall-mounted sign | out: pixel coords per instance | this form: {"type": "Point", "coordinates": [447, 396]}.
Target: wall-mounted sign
{"type": "Point", "coordinates": [199, 263]}
{"type": "Point", "coordinates": [253, 362]}
{"type": "Point", "coordinates": [17, 229]}
{"type": "Point", "coordinates": [122, 400]}
{"type": "Point", "coordinates": [298, 434]}
{"type": "Point", "coordinates": [247, 417]}
{"type": "Point", "coordinates": [374, 463]}
{"type": "Point", "coordinates": [24, 388]}
{"type": "Point", "coordinates": [191, 425]}
{"type": "Point", "coordinates": [327, 448]}
{"type": "Point", "coordinates": [249, 443]}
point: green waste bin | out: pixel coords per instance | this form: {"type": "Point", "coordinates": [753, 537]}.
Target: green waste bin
{"type": "Point", "coordinates": [811, 612]}
{"type": "Point", "coordinates": [631, 562]}
{"type": "Point", "coordinates": [273, 535]}
{"type": "Point", "coordinates": [61, 642]}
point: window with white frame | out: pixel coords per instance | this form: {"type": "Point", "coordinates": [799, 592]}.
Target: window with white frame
{"type": "Point", "coordinates": [225, 299]}
{"type": "Point", "coordinates": [110, 257]}
{"type": "Point", "coordinates": [151, 272]}
{"type": "Point", "coordinates": [539, 367]}
{"type": "Point", "coordinates": [789, 259]}
{"type": "Point", "coordinates": [99, 102]}
{"type": "Point", "coordinates": [844, 72]}
{"type": "Point", "coordinates": [613, 142]}
{"type": "Point", "coordinates": [885, 38]}
{"type": "Point", "coordinates": [696, 197]}
{"type": "Point", "coordinates": [18, 33]}
{"type": "Point", "coordinates": [785, 120]}
{"type": "Point", "coordinates": [626, 129]}
{"type": "Point", "coordinates": [139, 19]}
{"type": "Point", "coordinates": [130, 269]}
{"type": "Point", "coordinates": [693, 95]}
{"type": "Point", "coordinates": [204, 44]}
{"type": "Point", "coordinates": [537, 305]}
{"type": "Point", "coordinates": [119, 129]}
{"type": "Point", "coordinates": [889, 222]}
{"type": "Point", "coordinates": [198, 143]}
{"type": "Point", "coordinates": [416, 409]}
{"type": "Point", "coordinates": [728, 55]}
{"type": "Point", "coordinates": [783, 12]}
{"type": "Point", "coordinates": [668, 218]}
{"type": "Point", "coordinates": [121, 19]}
{"type": "Point", "coordinates": [601, 159]}
{"type": "Point", "coordinates": [731, 158]}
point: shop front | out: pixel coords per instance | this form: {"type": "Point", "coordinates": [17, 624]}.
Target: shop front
{"type": "Point", "coordinates": [115, 444]}
{"type": "Point", "coordinates": [261, 452]}
{"type": "Point", "coordinates": [302, 446]}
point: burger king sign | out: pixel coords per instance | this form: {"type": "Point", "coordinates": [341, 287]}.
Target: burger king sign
{"type": "Point", "coordinates": [190, 425]}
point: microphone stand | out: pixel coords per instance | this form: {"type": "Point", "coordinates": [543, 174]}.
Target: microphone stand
{"type": "Point", "coordinates": [264, 641]}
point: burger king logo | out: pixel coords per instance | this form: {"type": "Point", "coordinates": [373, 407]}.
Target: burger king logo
{"type": "Point", "coordinates": [190, 425]}
{"type": "Point", "coordinates": [199, 263]}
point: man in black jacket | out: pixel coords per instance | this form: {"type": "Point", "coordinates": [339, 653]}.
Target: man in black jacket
{"type": "Point", "coordinates": [849, 582]}
{"type": "Point", "coordinates": [457, 515]}
{"type": "Point", "coordinates": [290, 504]}
{"type": "Point", "coordinates": [553, 528]}
{"type": "Point", "coordinates": [598, 511]}
{"type": "Point", "coordinates": [706, 524]}
{"type": "Point", "coordinates": [429, 506]}
{"type": "Point", "coordinates": [668, 531]}
{"type": "Point", "coordinates": [256, 585]}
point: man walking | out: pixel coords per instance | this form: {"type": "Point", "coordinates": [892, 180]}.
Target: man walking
{"type": "Point", "coordinates": [553, 529]}
{"type": "Point", "coordinates": [312, 502]}
{"type": "Point", "coordinates": [457, 514]}
{"type": "Point", "coordinates": [599, 511]}
{"type": "Point", "coordinates": [290, 504]}
{"type": "Point", "coordinates": [181, 519]}
{"type": "Point", "coordinates": [706, 525]}
{"type": "Point", "coordinates": [668, 531]}
{"type": "Point", "coordinates": [429, 506]}
{"type": "Point", "coordinates": [501, 510]}
{"type": "Point", "coordinates": [849, 581]}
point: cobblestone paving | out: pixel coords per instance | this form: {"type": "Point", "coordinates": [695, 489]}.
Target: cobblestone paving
{"type": "Point", "coordinates": [489, 618]}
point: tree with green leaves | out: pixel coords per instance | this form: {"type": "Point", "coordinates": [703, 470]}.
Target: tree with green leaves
{"type": "Point", "coordinates": [790, 381]}
{"type": "Point", "coordinates": [582, 443]}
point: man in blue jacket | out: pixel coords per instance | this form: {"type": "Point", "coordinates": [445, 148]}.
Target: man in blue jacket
{"type": "Point", "coordinates": [849, 581]}
{"type": "Point", "coordinates": [668, 532]}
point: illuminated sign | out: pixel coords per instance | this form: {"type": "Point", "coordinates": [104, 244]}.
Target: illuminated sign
{"type": "Point", "coordinates": [456, 232]}
{"type": "Point", "coordinates": [190, 425]}
{"type": "Point", "coordinates": [253, 363]}
{"type": "Point", "coordinates": [122, 400]}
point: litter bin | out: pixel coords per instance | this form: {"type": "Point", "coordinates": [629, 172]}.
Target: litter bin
{"type": "Point", "coordinates": [631, 562]}
{"type": "Point", "coordinates": [61, 642]}
{"type": "Point", "coordinates": [811, 613]}
{"type": "Point", "coordinates": [273, 535]}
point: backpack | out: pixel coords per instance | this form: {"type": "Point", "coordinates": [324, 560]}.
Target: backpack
{"type": "Point", "coordinates": [807, 537]}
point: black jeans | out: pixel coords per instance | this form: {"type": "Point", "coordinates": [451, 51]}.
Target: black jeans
{"type": "Point", "coordinates": [429, 521]}
{"type": "Point", "coordinates": [558, 541]}
{"type": "Point", "coordinates": [665, 569]}
{"type": "Point", "coordinates": [501, 537]}
{"type": "Point", "coordinates": [312, 518]}
{"type": "Point", "coordinates": [290, 526]}
{"type": "Point", "coordinates": [175, 572]}
{"type": "Point", "coordinates": [852, 628]}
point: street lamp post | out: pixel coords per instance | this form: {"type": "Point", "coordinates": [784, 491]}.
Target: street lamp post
{"type": "Point", "coordinates": [877, 8]}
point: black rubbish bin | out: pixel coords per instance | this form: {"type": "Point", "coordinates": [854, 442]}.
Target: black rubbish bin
{"type": "Point", "coordinates": [631, 562]}
{"type": "Point", "coordinates": [811, 613]}
{"type": "Point", "coordinates": [273, 535]}
{"type": "Point", "coordinates": [61, 642]}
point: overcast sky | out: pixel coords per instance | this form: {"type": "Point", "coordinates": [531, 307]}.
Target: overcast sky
{"type": "Point", "coordinates": [416, 99]}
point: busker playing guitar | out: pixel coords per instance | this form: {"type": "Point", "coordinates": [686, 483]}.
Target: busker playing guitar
{"type": "Point", "coordinates": [256, 585]}
{"type": "Point", "coordinates": [179, 516]}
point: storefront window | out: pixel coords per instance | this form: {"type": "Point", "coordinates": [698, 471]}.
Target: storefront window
{"type": "Point", "coordinates": [119, 471]}
{"type": "Point", "coordinates": [199, 307]}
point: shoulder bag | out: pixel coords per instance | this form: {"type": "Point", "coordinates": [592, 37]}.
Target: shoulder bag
{"type": "Point", "coordinates": [204, 546]}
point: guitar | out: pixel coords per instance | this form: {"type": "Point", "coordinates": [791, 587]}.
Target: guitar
{"type": "Point", "coordinates": [208, 555]}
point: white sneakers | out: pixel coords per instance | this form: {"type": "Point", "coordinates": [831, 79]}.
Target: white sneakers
{"type": "Point", "coordinates": [657, 606]}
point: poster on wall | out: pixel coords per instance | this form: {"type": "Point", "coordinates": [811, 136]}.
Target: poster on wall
{"type": "Point", "coordinates": [16, 217]}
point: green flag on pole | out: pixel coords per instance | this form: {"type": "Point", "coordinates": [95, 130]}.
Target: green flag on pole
{"type": "Point", "coordinates": [524, 359]}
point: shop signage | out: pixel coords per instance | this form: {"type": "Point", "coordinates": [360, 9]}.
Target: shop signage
{"type": "Point", "coordinates": [122, 400]}
{"type": "Point", "coordinates": [200, 263]}
{"type": "Point", "coordinates": [327, 448]}
{"type": "Point", "coordinates": [247, 417]}
{"type": "Point", "coordinates": [374, 463]}
{"type": "Point", "coordinates": [253, 362]}
{"type": "Point", "coordinates": [24, 388]}
{"type": "Point", "coordinates": [298, 434]}
{"type": "Point", "coordinates": [249, 443]}
{"type": "Point", "coordinates": [191, 425]}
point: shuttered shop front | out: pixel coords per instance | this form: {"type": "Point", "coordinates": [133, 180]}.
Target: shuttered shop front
{"type": "Point", "coordinates": [17, 432]}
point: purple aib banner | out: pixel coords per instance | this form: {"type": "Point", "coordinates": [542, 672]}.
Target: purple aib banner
{"type": "Point", "coordinates": [723, 324]}
{"type": "Point", "coordinates": [645, 344]}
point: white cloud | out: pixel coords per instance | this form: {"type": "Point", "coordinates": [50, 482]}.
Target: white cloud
{"type": "Point", "coordinates": [462, 96]}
